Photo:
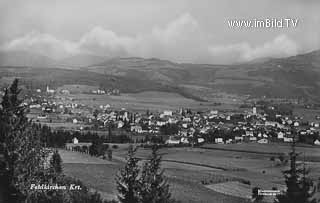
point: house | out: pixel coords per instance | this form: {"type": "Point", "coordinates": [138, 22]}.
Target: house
{"type": "Point", "coordinates": [50, 90]}
{"type": "Point", "coordinates": [252, 139]}
{"type": "Point", "coordinates": [184, 140]}
{"type": "Point", "coordinates": [42, 117]}
{"type": "Point", "coordinates": [35, 106]}
{"type": "Point", "coordinates": [238, 138]}
{"type": "Point", "coordinates": [263, 141]}
{"type": "Point", "coordinates": [218, 140]}
{"type": "Point", "coordinates": [161, 122]}
{"type": "Point", "coordinates": [280, 135]}
{"type": "Point", "coordinates": [229, 141]}
{"type": "Point", "coordinates": [136, 128]}
{"type": "Point", "coordinates": [254, 110]}
{"type": "Point", "coordinates": [173, 140]}
{"type": "Point", "coordinates": [200, 140]}
{"type": "Point", "coordinates": [249, 133]}
{"type": "Point", "coordinates": [120, 124]}
{"type": "Point", "coordinates": [65, 91]}
{"type": "Point", "coordinates": [288, 139]}
{"type": "Point", "coordinates": [167, 113]}
{"type": "Point", "coordinates": [75, 140]}
{"type": "Point", "coordinates": [317, 142]}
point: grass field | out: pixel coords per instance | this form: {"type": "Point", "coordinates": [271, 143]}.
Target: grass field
{"type": "Point", "coordinates": [197, 174]}
{"type": "Point", "coordinates": [152, 100]}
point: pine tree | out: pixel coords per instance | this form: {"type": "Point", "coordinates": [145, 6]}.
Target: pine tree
{"type": "Point", "coordinates": [127, 179]}
{"type": "Point", "coordinates": [154, 187]}
{"type": "Point", "coordinates": [55, 162]}
{"type": "Point", "coordinates": [300, 188]}
{"type": "Point", "coordinates": [23, 151]}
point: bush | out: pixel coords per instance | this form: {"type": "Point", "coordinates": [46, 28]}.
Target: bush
{"type": "Point", "coordinates": [247, 182]}
{"type": "Point", "coordinates": [115, 146]}
{"type": "Point", "coordinates": [281, 158]}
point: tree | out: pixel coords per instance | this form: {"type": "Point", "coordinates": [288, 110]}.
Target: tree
{"type": "Point", "coordinates": [300, 188]}
{"type": "Point", "coordinates": [26, 158]}
{"type": "Point", "coordinates": [55, 162]}
{"type": "Point", "coordinates": [169, 129]}
{"type": "Point", "coordinates": [255, 195]}
{"type": "Point", "coordinates": [154, 187]}
{"type": "Point", "coordinates": [127, 180]}
{"type": "Point", "coordinates": [22, 146]}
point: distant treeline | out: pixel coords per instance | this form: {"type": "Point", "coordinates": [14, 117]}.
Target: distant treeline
{"type": "Point", "coordinates": [58, 138]}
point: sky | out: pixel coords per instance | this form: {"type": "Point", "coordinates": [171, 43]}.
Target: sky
{"type": "Point", "coordinates": [194, 31]}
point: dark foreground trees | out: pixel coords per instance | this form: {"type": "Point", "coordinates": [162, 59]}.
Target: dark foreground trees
{"type": "Point", "coordinates": [26, 159]}
{"type": "Point", "coordinates": [300, 188]}
{"type": "Point", "coordinates": [127, 180]}
{"type": "Point", "coordinates": [146, 185]}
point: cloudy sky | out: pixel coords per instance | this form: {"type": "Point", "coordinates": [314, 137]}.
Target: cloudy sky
{"type": "Point", "coordinates": [179, 30]}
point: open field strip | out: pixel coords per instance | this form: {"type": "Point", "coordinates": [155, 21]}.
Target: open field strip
{"type": "Point", "coordinates": [185, 179]}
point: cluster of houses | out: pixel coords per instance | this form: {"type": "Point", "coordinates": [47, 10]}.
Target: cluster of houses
{"type": "Point", "coordinates": [247, 127]}
{"type": "Point", "coordinates": [107, 92]}
{"type": "Point", "coordinates": [208, 126]}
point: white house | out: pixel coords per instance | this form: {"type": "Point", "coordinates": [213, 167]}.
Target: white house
{"type": "Point", "coordinates": [252, 139]}
{"type": "Point", "coordinates": [75, 121]}
{"type": "Point", "coordinates": [136, 128]}
{"type": "Point", "coordinates": [200, 140]}
{"type": "Point", "coordinates": [280, 135]}
{"type": "Point", "coordinates": [218, 140]}
{"type": "Point", "coordinates": [288, 139]}
{"type": "Point", "coordinates": [173, 140]}
{"type": "Point", "coordinates": [263, 141]}
{"type": "Point", "coordinates": [167, 113]}
{"type": "Point", "coordinates": [184, 140]}
{"type": "Point", "coordinates": [75, 140]}
{"type": "Point", "coordinates": [49, 90]}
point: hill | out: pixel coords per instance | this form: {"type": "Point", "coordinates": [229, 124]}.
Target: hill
{"type": "Point", "coordinates": [24, 58]}
{"type": "Point", "coordinates": [81, 60]}
{"type": "Point", "coordinates": [291, 77]}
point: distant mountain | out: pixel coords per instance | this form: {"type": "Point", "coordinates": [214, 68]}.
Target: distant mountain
{"type": "Point", "coordinates": [24, 58]}
{"type": "Point", "coordinates": [82, 60]}
{"type": "Point", "coordinates": [291, 77]}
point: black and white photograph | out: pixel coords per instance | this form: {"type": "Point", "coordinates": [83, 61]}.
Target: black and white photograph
{"type": "Point", "coordinates": [159, 101]}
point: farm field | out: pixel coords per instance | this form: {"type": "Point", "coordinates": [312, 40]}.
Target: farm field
{"type": "Point", "coordinates": [308, 114]}
{"type": "Point", "coordinates": [152, 100]}
{"type": "Point", "coordinates": [194, 172]}
{"type": "Point", "coordinates": [184, 179]}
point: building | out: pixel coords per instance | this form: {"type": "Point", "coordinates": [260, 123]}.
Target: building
{"type": "Point", "coordinates": [254, 110]}
{"type": "Point", "coordinates": [218, 140]}
{"type": "Point", "coordinates": [263, 141]}
{"type": "Point", "coordinates": [173, 140]}
{"type": "Point", "coordinates": [75, 140]}
{"type": "Point", "coordinates": [51, 91]}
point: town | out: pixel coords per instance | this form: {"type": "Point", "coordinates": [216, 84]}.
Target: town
{"type": "Point", "coordinates": [260, 122]}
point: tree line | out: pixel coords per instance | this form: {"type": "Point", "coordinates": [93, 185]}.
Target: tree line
{"type": "Point", "coordinates": [29, 159]}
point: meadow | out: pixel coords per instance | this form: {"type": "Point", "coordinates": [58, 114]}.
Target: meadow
{"type": "Point", "coordinates": [197, 174]}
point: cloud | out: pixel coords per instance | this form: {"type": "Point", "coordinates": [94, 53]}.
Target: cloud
{"type": "Point", "coordinates": [281, 46]}
{"type": "Point", "coordinates": [44, 44]}
{"type": "Point", "coordinates": [106, 42]}
{"type": "Point", "coordinates": [181, 40]}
